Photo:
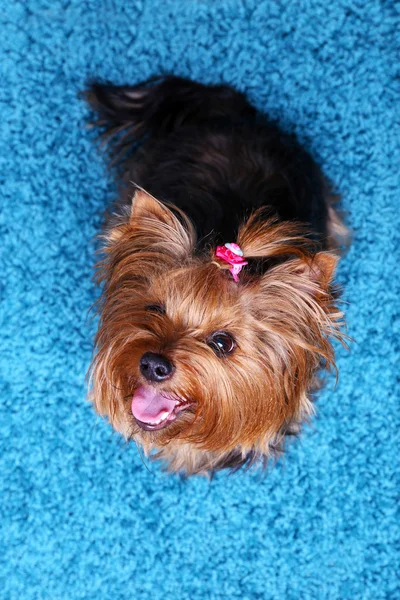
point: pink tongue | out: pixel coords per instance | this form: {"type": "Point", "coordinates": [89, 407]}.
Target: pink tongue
{"type": "Point", "coordinates": [149, 406]}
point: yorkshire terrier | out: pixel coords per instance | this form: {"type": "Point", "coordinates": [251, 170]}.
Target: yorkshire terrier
{"type": "Point", "coordinates": [218, 306]}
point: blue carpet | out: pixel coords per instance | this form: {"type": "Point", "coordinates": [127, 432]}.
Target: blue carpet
{"type": "Point", "coordinates": [81, 516]}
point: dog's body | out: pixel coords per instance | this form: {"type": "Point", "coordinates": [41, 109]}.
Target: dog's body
{"type": "Point", "coordinates": [210, 369]}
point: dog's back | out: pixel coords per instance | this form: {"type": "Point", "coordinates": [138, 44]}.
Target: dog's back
{"type": "Point", "coordinates": [206, 150]}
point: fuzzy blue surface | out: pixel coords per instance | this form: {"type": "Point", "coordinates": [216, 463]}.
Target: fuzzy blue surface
{"type": "Point", "coordinates": [81, 517]}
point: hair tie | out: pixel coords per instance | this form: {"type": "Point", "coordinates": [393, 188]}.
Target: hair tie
{"type": "Point", "coordinates": [233, 255]}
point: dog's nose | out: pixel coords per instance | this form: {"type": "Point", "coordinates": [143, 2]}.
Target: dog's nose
{"type": "Point", "coordinates": [155, 367]}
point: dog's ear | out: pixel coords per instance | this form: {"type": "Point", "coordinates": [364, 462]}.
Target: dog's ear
{"type": "Point", "coordinates": [159, 227]}
{"type": "Point", "coordinates": [319, 270]}
{"type": "Point", "coordinates": [311, 274]}
{"type": "Point", "coordinates": [147, 208]}
{"type": "Point", "coordinates": [154, 227]}
{"type": "Point", "coordinates": [287, 244]}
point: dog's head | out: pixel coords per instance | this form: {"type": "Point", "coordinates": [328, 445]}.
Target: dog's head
{"type": "Point", "coordinates": [186, 353]}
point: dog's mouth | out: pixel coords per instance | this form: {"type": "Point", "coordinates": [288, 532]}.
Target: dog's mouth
{"type": "Point", "coordinates": [154, 410]}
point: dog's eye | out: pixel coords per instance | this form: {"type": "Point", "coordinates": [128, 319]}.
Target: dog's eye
{"type": "Point", "coordinates": [222, 343]}
{"type": "Point", "coordinates": [156, 308]}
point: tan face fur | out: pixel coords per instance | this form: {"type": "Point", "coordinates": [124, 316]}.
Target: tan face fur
{"type": "Point", "coordinates": [160, 297]}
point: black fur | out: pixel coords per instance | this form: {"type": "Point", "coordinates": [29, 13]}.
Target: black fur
{"type": "Point", "coordinates": [209, 152]}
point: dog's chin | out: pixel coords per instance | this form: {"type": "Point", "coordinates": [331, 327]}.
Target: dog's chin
{"type": "Point", "coordinates": [154, 409]}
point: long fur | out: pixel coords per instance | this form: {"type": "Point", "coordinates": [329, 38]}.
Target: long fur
{"type": "Point", "coordinates": [221, 172]}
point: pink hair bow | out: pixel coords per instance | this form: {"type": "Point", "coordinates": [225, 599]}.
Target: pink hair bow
{"type": "Point", "coordinates": [232, 254]}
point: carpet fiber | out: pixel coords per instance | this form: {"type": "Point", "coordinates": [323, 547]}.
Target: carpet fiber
{"type": "Point", "coordinates": [81, 516]}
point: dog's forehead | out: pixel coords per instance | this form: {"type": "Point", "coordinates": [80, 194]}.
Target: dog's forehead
{"type": "Point", "coordinates": [199, 293]}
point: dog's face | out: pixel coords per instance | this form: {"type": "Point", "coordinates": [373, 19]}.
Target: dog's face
{"type": "Point", "coordinates": [186, 354]}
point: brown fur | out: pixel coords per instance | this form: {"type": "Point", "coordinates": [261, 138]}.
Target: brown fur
{"type": "Point", "coordinates": [282, 319]}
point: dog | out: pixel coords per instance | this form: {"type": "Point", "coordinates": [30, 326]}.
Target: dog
{"type": "Point", "coordinates": [218, 305]}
